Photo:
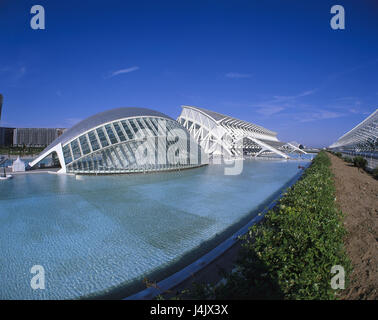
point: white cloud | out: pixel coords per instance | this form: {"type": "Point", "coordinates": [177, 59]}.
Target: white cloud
{"type": "Point", "coordinates": [318, 115]}
{"type": "Point", "coordinates": [122, 71]}
{"type": "Point", "coordinates": [269, 110]}
{"type": "Point", "coordinates": [19, 73]}
{"type": "Point", "coordinates": [299, 95]}
{"type": "Point", "coordinates": [13, 73]}
{"type": "Point", "coordinates": [236, 75]}
{"type": "Point", "coordinates": [280, 103]}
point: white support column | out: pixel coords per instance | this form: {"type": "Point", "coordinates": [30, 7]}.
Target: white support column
{"type": "Point", "coordinates": [268, 147]}
{"type": "Point", "coordinates": [296, 148]}
{"type": "Point", "coordinates": [59, 151]}
{"type": "Point", "coordinates": [260, 152]}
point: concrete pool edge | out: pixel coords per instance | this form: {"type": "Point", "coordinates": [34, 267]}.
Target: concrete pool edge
{"type": "Point", "coordinates": [198, 265]}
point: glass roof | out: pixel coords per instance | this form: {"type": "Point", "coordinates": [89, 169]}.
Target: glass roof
{"type": "Point", "coordinates": [103, 117]}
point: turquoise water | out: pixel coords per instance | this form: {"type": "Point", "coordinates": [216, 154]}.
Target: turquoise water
{"type": "Point", "coordinates": [93, 234]}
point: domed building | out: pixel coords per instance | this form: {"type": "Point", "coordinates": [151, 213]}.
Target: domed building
{"type": "Point", "coordinates": [125, 140]}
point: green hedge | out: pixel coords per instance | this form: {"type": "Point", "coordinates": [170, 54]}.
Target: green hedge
{"type": "Point", "coordinates": [360, 162]}
{"type": "Point", "coordinates": [348, 159]}
{"type": "Point", "coordinates": [290, 254]}
{"type": "Point", "coordinates": [375, 173]}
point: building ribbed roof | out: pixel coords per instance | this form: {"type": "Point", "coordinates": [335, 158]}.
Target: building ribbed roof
{"type": "Point", "coordinates": [373, 117]}
{"type": "Point", "coordinates": [221, 118]}
{"type": "Point", "coordinates": [215, 115]}
{"type": "Point", "coordinates": [103, 117]}
{"type": "Point", "coordinates": [367, 129]}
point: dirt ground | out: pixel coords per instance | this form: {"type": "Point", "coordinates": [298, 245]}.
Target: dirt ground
{"type": "Point", "coordinates": [357, 197]}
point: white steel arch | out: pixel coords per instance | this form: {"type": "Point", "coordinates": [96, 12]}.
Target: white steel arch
{"type": "Point", "coordinates": [219, 134]}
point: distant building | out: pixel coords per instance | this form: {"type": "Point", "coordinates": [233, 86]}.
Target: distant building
{"type": "Point", "coordinates": [6, 136]}
{"type": "Point", "coordinates": [1, 104]}
{"type": "Point", "coordinates": [35, 136]}
{"type": "Point", "coordinates": [27, 136]}
{"type": "Point", "coordinates": [30, 137]}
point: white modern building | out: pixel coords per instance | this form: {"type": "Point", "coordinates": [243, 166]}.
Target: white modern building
{"type": "Point", "coordinates": [125, 140]}
{"type": "Point", "coordinates": [221, 135]}
{"type": "Point", "coordinates": [362, 138]}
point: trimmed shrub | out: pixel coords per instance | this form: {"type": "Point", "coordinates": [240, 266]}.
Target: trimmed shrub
{"type": "Point", "coordinates": [291, 253]}
{"type": "Point", "coordinates": [348, 159]}
{"type": "Point", "coordinates": [375, 173]}
{"type": "Point", "coordinates": [359, 162]}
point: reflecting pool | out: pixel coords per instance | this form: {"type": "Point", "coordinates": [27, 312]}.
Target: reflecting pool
{"type": "Point", "coordinates": [96, 235]}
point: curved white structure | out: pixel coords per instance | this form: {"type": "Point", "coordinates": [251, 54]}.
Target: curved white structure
{"type": "Point", "coordinates": [125, 140]}
{"type": "Point", "coordinates": [219, 134]}
{"type": "Point", "coordinates": [362, 138]}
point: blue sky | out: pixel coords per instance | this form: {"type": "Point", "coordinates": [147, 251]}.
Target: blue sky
{"type": "Point", "coordinates": [275, 63]}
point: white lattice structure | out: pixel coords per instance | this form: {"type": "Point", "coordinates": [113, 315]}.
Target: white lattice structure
{"type": "Point", "coordinates": [221, 135]}
{"type": "Point", "coordinates": [362, 138]}
{"type": "Point", "coordinates": [125, 140]}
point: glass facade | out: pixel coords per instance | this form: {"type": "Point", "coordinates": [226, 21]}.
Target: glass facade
{"type": "Point", "coordinates": [139, 144]}
{"type": "Point", "coordinates": [362, 138]}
